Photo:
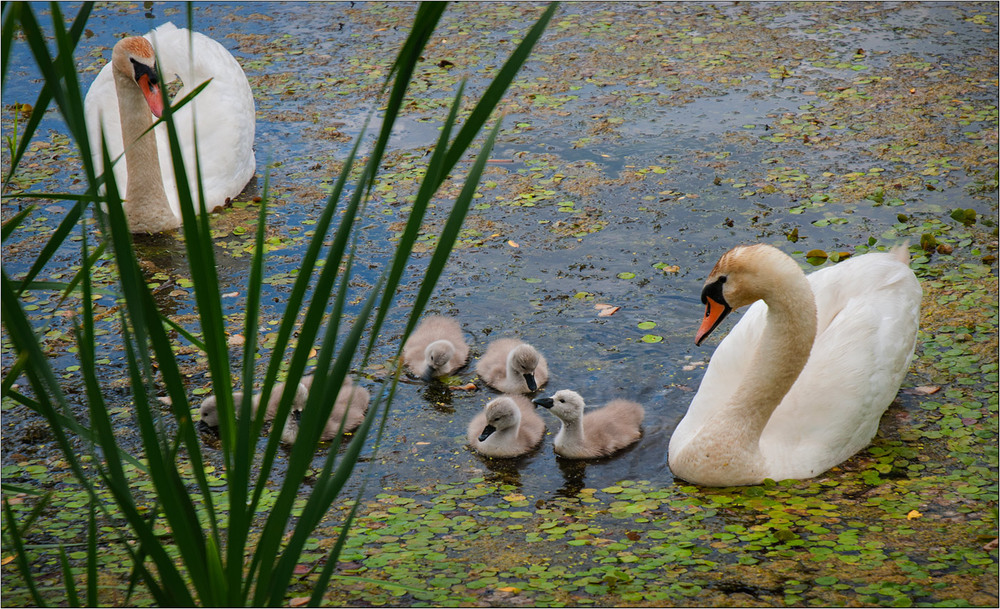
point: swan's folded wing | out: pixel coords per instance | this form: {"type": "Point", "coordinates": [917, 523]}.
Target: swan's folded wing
{"type": "Point", "coordinates": [857, 364]}
{"type": "Point", "coordinates": [224, 114]}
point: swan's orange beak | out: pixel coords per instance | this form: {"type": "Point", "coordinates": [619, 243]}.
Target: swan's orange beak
{"type": "Point", "coordinates": [152, 94]}
{"type": "Point", "coordinates": [715, 312]}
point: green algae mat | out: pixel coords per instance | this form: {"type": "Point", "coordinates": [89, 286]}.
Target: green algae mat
{"type": "Point", "coordinates": [640, 142]}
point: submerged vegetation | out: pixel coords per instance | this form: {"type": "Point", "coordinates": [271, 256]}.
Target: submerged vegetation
{"type": "Point", "coordinates": [639, 142]}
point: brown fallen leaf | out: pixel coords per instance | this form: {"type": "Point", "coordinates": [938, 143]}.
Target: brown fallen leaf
{"type": "Point", "coordinates": [608, 312]}
{"type": "Point", "coordinates": [922, 390]}
{"type": "Point", "coordinates": [236, 340]}
{"type": "Point", "coordinates": [299, 601]}
{"type": "Point", "coordinates": [512, 243]}
{"type": "Point", "coordinates": [466, 387]}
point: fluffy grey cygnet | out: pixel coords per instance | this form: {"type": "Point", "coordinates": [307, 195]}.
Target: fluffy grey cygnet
{"type": "Point", "coordinates": [598, 433]}
{"type": "Point", "coordinates": [209, 412]}
{"type": "Point", "coordinates": [352, 400]}
{"type": "Point", "coordinates": [507, 427]}
{"type": "Point", "coordinates": [513, 366]}
{"type": "Point", "coordinates": [435, 348]}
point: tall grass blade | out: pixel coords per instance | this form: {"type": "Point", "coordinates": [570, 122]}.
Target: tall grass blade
{"type": "Point", "coordinates": [15, 541]}
{"type": "Point", "coordinates": [213, 563]}
{"type": "Point", "coordinates": [69, 581]}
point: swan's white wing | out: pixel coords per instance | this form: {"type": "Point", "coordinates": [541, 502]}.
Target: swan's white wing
{"type": "Point", "coordinates": [868, 313]}
{"type": "Point", "coordinates": [223, 112]}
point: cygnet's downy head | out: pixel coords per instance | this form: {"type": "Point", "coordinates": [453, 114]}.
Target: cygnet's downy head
{"type": "Point", "coordinates": [208, 421]}
{"type": "Point", "coordinates": [523, 360]}
{"type": "Point", "coordinates": [565, 404]}
{"type": "Point", "coordinates": [134, 57]}
{"type": "Point", "coordinates": [501, 414]}
{"type": "Point", "coordinates": [290, 431]}
{"type": "Point", "coordinates": [437, 355]}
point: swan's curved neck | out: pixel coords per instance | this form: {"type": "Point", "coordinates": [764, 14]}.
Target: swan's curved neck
{"type": "Point", "coordinates": [146, 205]}
{"type": "Point", "coordinates": [781, 355]}
{"type": "Point", "coordinates": [731, 436]}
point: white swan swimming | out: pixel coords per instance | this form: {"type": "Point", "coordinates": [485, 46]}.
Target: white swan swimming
{"type": "Point", "coordinates": [597, 433]}
{"type": "Point", "coordinates": [800, 383]}
{"type": "Point", "coordinates": [513, 366]}
{"type": "Point", "coordinates": [125, 96]}
{"type": "Point", "coordinates": [435, 348]}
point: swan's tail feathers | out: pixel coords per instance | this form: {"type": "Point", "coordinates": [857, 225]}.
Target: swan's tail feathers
{"type": "Point", "coordinates": [901, 252]}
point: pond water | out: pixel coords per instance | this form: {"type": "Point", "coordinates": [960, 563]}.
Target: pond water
{"type": "Point", "coordinates": [640, 143]}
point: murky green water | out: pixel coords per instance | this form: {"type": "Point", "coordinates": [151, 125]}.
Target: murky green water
{"type": "Point", "coordinates": [641, 137]}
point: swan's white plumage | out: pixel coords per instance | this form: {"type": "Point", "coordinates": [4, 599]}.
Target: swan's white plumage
{"type": "Point", "coordinates": [223, 112]}
{"type": "Point", "coordinates": [867, 312]}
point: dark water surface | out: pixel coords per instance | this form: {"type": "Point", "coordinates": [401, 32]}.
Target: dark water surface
{"type": "Point", "coordinates": [639, 135]}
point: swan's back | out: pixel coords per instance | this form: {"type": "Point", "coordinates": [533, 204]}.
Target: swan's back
{"type": "Point", "coordinates": [224, 112]}
{"type": "Point", "coordinates": [865, 339]}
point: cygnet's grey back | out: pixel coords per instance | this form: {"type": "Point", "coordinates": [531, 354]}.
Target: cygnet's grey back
{"type": "Point", "coordinates": [351, 399]}
{"type": "Point", "coordinates": [508, 426]}
{"type": "Point", "coordinates": [508, 364]}
{"type": "Point", "coordinates": [436, 348]}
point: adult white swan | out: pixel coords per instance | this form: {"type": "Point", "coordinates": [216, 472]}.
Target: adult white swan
{"type": "Point", "coordinates": [800, 383]}
{"type": "Point", "coordinates": [125, 96]}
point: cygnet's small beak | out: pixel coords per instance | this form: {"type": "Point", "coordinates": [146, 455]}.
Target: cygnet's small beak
{"type": "Point", "coordinates": [487, 432]}
{"type": "Point", "coordinates": [544, 402]}
{"type": "Point", "coordinates": [205, 428]}
{"type": "Point", "coordinates": [428, 375]}
{"type": "Point", "coordinates": [530, 380]}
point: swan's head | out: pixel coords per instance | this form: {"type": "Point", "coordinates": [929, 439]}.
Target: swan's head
{"type": "Point", "coordinates": [565, 404]}
{"type": "Point", "coordinates": [134, 58]}
{"type": "Point", "coordinates": [523, 359]}
{"type": "Point", "coordinates": [209, 412]}
{"type": "Point", "coordinates": [742, 276]}
{"type": "Point", "coordinates": [502, 413]}
{"type": "Point", "coordinates": [436, 356]}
